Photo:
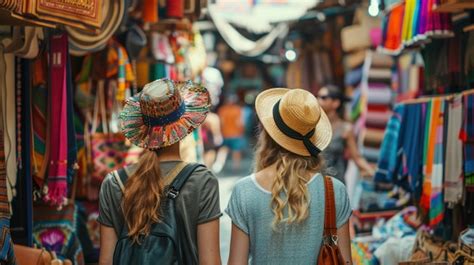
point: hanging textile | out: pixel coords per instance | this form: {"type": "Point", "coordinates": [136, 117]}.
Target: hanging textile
{"type": "Point", "coordinates": [57, 173]}
{"type": "Point", "coordinates": [411, 23]}
{"type": "Point", "coordinates": [411, 160]}
{"type": "Point", "coordinates": [454, 177]}
{"type": "Point", "coordinates": [6, 246]}
{"type": "Point", "coordinates": [467, 136]}
{"type": "Point", "coordinates": [432, 196]}
{"type": "Point", "coordinates": [71, 131]}
{"type": "Point", "coordinates": [9, 118]}
{"type": "Point", "coordinates": [119, 67]}
{"type": "Point", "coordinates": [239, 43]}
{"type": "Point", "coordinates": [22, 218]}
{"type": "Point", "coordinates": [39, 98]}
{"type": "Point", "coordinates": [388, 150]}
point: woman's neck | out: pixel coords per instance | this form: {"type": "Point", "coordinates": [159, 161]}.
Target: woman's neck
{"type": "Point", "coordinates": [170, 153]}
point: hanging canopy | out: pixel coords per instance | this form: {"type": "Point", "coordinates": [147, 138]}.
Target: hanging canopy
{"type": "Point", "coordinates": [269, 17]}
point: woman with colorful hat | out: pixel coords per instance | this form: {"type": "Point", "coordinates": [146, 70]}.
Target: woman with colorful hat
{"type": "Point", "coordinates": [157, 119]}
{"type": "Point", "coordinates": [278, 213]}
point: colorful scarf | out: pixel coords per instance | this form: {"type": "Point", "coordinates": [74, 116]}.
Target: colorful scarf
{"type": "Point", "coordinates": [388, 150]}
{"type": "Point", "coordinates": [432, 196]}
{"type": "Point", "coordinates": [39, 121]}
{"type": "Point", "coordinates": [119, 66]}
{"type": "Point", "coordinates": [57, 175]}
{"type": "Point", "coordinates": [412, 148]}
{"type": "Point", "coordinates": [125, 73]}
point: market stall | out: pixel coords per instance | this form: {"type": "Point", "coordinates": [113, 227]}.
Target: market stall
{"type": "Point", "coordinates": [66, 70]}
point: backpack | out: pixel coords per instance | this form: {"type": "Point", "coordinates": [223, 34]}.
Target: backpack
{"type": "Point", "coordinates": [162, 244]}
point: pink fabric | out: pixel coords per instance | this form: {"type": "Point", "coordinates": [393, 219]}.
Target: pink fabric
{"type": "Point", "coordinates": [57, 173]}
{"type": "Point", "coordinates": [376, 36]}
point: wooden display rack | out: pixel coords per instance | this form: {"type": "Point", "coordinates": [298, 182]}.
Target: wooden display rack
{"type": "Point", "coordinates": [454, 6]}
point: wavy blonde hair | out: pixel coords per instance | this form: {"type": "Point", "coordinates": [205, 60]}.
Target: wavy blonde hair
{"type": "Point", "coordinates": [142, 196]}
{"type": "Point", "coordinates": [289, 190]}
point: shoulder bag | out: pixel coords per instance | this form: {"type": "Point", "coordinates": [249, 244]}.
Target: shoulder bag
{"type": "Point", "coordinates": [330, 254]}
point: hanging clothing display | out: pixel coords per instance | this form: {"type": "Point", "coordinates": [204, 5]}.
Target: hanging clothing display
{"type": "Point", "coordinates": [429, 157]}
{"type": "Point", "coordinates": [6, 246]}
{"type": "Point", "coordinates": [467, 135]}
{"type": "Point", "coordinates": [453, 174]}
{"type": "Point", "coordinates": [57, 173]}
{"type": "Point", "coordinates": [410, 23]}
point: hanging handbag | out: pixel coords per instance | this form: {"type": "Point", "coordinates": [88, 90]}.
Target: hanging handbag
{"type": "Point", "coordinates": [107, 149]}
{"type": "Point", "coordinates": [55, 230]}
{"type": "Point", "coordinates": [26, 255]}
{"type": "Point", "coordinates": [36, 256]}
{"type": "Point", "coordinates": [330, 254]}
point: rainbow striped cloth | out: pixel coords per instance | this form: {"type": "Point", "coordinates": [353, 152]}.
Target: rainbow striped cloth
{"type": "Point", "coordinates": [433, 166]}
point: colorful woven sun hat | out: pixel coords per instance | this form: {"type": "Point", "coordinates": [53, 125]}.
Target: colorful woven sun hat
{"type": "Point", "coordinates": [294, 119]}
{"type": "Point", "coordinates": [164, 112]}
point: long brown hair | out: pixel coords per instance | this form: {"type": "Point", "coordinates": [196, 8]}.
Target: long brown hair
{"type": "Point", "coordinates": [290, 180]}
{"type": "Point", "coordinates": [142, 196]}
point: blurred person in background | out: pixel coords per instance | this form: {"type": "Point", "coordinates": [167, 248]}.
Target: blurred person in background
{"type": "Point", "coordinates": [343, 138]}
{"type": "Point", "coordinates": [211, 128]}
{"type": "Point", "coordinates": [232, 124]}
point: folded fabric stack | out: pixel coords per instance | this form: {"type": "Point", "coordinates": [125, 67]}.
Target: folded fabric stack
{"type": "Point", "coordinates": [372, 100]}
{"type": "Point", "coordinates": [409, 78]}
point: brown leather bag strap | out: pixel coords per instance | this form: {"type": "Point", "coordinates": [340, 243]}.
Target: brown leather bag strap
{"type": "Point", "coordinates": [330, 228]}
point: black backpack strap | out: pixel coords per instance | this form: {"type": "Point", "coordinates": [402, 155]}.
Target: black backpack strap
{"type": "Point", "coordinates": [180, 180]}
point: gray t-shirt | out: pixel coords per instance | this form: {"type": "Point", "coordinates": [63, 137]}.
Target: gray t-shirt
{"type": "Point", "coordinates": [249, 209]}
{"type": "Point", "coordinates": [197, 203]}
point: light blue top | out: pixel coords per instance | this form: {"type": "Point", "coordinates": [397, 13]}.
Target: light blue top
{"type": "Point", "coordinates": [250, 210]}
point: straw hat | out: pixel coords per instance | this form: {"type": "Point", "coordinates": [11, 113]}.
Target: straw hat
{"type": "Point", "coordinates": [84, 41]}
{"type": "Point", "coordinates": [164, 113]}
{"type": "Point", "coordinates": [294, 119]}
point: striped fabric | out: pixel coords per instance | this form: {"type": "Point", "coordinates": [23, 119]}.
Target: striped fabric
{"type": "Point", "coordinates": [125, 73]}
{"type": "Point", "coordinates": [39, 121]}
{"type": "Point", "coordinates": [119, 66]}
{"type": "Point", "coordinates": [432, 196]}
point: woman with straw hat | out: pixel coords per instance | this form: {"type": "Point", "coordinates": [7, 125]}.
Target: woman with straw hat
{"type": "Point", "coordinates": [278, 213]}
{"type": "Point", "coordinates": [157, 119]}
